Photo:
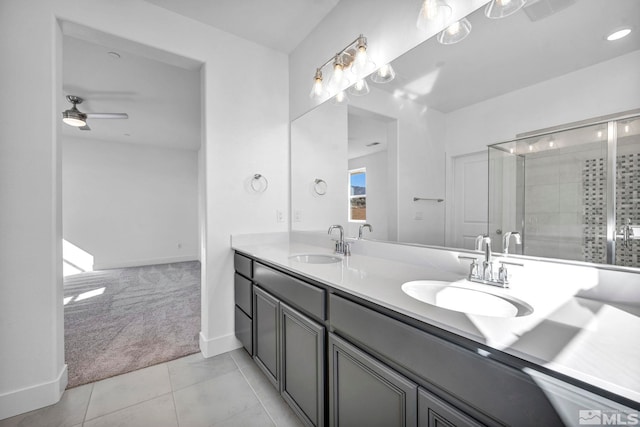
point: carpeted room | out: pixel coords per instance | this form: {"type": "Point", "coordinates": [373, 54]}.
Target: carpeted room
{"type": "Point", "coordinates": [130, 209]}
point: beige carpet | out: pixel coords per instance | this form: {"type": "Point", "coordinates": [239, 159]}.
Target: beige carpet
{"type": "Point", "coordinates": [117, 321]}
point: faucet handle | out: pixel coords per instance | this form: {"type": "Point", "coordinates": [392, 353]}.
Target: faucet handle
{"type": "Point", "coordinates": [473, 267]}
{"type": "Point", "coordinates": [503, 274]}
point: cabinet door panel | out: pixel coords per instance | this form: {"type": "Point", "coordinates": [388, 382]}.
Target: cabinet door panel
{"type": "Point", "coordinates": [434, 412]}
{"type": "Point", "coordinates": [302, 379]}
{"type": "Point", "coordinates": [363, 391]}
{"type": "Point", "coordinates": [265, 334]}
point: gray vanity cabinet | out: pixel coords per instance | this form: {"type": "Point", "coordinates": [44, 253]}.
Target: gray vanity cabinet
{"type": "Point", "coordinates": [289, 348]}
{"type": "Point", "coordinates": [364, 392]}
{"type": "Point", "coordinates": [266, 333]}
{"type": "Point", "coordinates": [434, 412]}
{"type": "Point", "coordinates": [243, 310]}
{"type": "Point", "coordinates": [302, 376]}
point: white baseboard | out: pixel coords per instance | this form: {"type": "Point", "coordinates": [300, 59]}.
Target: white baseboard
{"type": "Point", "coordinates": [34, 397]}
{"type": "Point", "coordinates": [213, 346]}
{"type": "Point", "coordinates": [141, 262]}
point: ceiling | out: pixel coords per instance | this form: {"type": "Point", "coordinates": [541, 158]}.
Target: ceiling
{"type": "Point", "coordinates": [503, 55]}
{"type": "Point", "coordinates": [278, 24]}
{"type": "Point", "coordinates": [160, 92]}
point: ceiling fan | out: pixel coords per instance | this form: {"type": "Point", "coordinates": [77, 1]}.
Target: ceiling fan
{"type": "Point", "coordinates": [76, 118]}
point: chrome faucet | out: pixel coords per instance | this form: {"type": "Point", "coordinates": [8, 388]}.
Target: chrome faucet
{"type": "Point", "coordinates": [362, 227]}
{"type": "Point", "coordinates": [341, 246]}
{"type": "Point", "coordinates": [507, 239]}
{"type": "Point", "coordinates": [486, 276]}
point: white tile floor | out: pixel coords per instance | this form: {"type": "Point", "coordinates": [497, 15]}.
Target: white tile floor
{"type": "Point", "coordinates": [226, 390]}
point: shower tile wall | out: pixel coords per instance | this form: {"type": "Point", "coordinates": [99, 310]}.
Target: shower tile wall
{"type": "Point", "coordinates": [553, 202]}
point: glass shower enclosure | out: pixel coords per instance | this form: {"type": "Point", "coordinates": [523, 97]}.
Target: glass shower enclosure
{"type": "Point", "coordinates": [572, 192]}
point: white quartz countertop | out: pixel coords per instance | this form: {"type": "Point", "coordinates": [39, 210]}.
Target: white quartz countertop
{"type": "Point", "coordinates": [593, 341]}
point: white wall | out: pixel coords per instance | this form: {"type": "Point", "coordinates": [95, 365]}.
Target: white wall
{"type": "Point", "coordinates": [390, 28]}
{"type": "Point", "coordinates": [319, 151]}
{"type": "Point", "coordinates": [130, 204]}
{"type": "Point", "coordinates": [245, 129]}
{"type": "Point", "coordinates": [420, 142]}
{"type": "Point", "coordinates": [608, 87]}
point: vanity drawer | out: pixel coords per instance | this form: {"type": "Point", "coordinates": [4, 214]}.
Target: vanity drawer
{"type": "Point", "coordinates": [243, 329]}
{"type": "Point", "coordinates": [303, 296]}
{"type": "Point", "coordinates": [480, 382]}
{"type": "Point", "coordinates": [243, 265]}
{"type": "Point", "coordinates": [242, 291]}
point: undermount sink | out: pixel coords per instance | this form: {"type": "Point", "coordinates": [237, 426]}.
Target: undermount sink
{"type": "Point", "coordinates": [466, 300]}
{"type": "Point", "coordinates": [316, 258]}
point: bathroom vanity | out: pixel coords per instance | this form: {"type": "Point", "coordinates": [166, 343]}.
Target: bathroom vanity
{"type": "Point", "coordinates": [344, 345]}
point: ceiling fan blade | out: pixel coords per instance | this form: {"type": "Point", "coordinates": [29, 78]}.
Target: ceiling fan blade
{"type": "Point", "coordinates": [85, 127]}
{"type": "Point", "coordinates": [107, 115]}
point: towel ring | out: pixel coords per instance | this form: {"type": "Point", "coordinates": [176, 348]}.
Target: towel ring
{"type": "Point", "coordinates": [259, 183]}
{"type": "Point", "coordinates": [320, 187]}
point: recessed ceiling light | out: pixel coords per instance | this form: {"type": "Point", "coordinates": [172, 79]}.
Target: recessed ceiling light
{"type": "Point", "coordinates": [113, 55]}
{"type": "Point", "coordinates": [618, 34]}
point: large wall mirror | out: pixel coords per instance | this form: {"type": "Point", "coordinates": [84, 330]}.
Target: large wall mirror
{"type": "Point", "coordinates": [411, 158]}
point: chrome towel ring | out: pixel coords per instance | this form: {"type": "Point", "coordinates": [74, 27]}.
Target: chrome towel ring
{"type": "Point", "coordinates": [259, 183]}
{"type": "Point", "coordinates": [320, 187]}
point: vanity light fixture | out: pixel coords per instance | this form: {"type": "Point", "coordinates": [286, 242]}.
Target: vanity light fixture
{"type": "Point", "coordinates": [338, 78]}
{"type": "Point", "coordinates": [384, 74]}
{"type": "Point", "coordinates": [340, 98]}
{"type": "Point", "coordinates": [618, 34]}
{"type": "Point", "coordinates": [455, 32]}
{"type": "Point", "coordinates": [359, 88]}
{"type": "Point", "coordinates": [497, 9]}
{"type": "Point", "coordinates": [352, 60]}
{"type": "Point", "coordinates": [317, 90]}
{"type": "Point", "coordinates": [436, 12]}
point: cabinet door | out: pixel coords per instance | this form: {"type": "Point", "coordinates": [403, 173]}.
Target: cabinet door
{"type": "Point", "coordinates": [302, 353]}
{"type": "Point", "coordinates": [364, 392]}
{"type": "Point", "coordinates": [266, 334]}
{"type": "Point", "coordinates": [435, 412]}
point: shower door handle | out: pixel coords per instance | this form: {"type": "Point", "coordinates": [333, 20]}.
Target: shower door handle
{"type": "Point", "coordinates": [628, 233]}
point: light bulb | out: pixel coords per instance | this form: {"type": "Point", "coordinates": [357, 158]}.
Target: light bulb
{"type": "Point", "coordinates": [455, 32]}
{"type": "Point", "coordinates": [317, 90]}
{"type": "Point", "coordinates": [497, 9]}
{"type": "Point", "coordinates": [359, 88]}
{"type": "Point", "coordinates": [551, 143]}
{"type": "Point", "coordinates": [511, 150]}
{"type": "Point", "coordinates": [599, 134]}
{"type": "Point", "coordinates": [626, 128]}
{"type": "Point", "coordinates": [338, 79]}
{"type": "Point", "coordinates": [340, 98]}
{"type": "Point", "coordinates": [362, 65]}
{"type": "Point", "coordinates": [530, 147]}
{"type": "Point", "coordinates": [384, 74]}
{"type": "Point", "coordinates": [436, 12]}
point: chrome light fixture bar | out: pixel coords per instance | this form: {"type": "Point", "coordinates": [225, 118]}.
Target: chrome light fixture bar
{"type": "Point", "coordinates": [353, 60]}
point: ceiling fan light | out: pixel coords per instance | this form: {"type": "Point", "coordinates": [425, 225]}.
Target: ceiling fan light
{"type": "Point", "coordinates": [73, 118]}
{"type": "Point", "coordinates": [497, 9]}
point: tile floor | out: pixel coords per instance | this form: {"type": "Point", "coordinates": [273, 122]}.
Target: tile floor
{"type": "Point", "coordinates": [225, 390]}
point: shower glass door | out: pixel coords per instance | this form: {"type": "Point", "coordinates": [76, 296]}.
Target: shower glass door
{"type": "Point", "coordinates": [572, 193]}
{"type": "Point", "coordinates": [627, 206]}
